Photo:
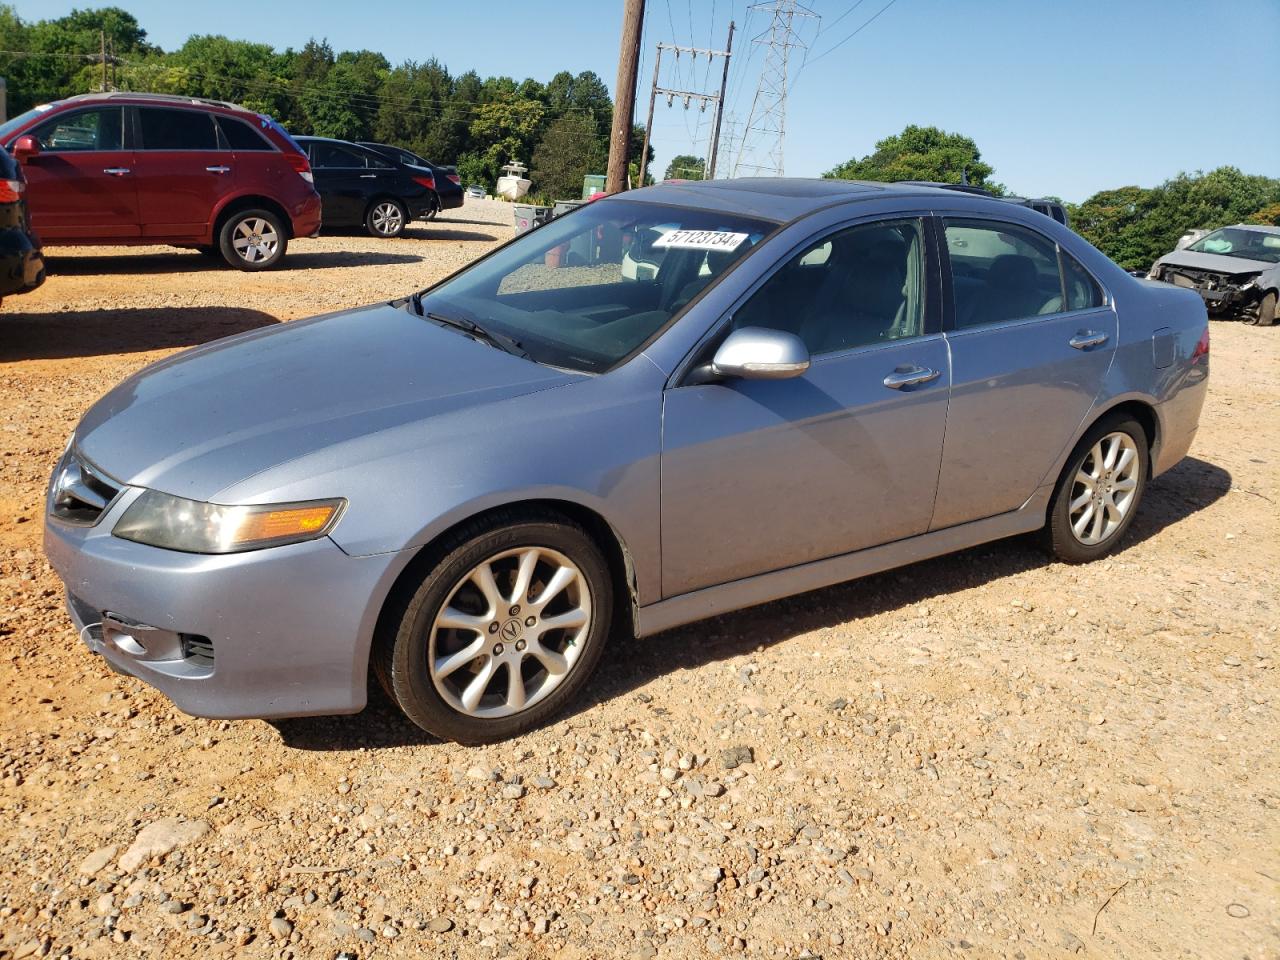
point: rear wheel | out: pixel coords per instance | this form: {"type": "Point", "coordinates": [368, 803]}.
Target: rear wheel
{"type": "Point", "coordinates": [386, 218]}
{"type": "Point", "coordinates": [502, 632]}
{"type": "Point", "coordinates": [1266, 315]}
{"type": "Point", "coordinates": [1098, 494]}
{"type": "Point", "coordinates": [253, 240]}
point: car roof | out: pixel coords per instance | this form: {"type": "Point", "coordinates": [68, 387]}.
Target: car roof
{"type": "Point", "coordinates": [788, 198]}
{"type": "Point", "coordinates": [170, 99]}
{"type": "Point", "coordinates": [1255, 227]}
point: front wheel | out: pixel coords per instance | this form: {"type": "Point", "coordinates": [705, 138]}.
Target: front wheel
{"type": "Point", "coordinates": [386, 219]}
{"type": "Point", "coordinates": [253, 240]}
{"type": "Point", "coordinates": [1266, 315]}
{"type": "Point", "coordinates": [502, 632]}
{"type": "Point", "coordinates": [1098, 494]}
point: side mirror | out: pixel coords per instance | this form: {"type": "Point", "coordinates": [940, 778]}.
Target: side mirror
{"type": "Point", "coordinates": [26, 147]}
{"type": "Point", "coordinates": [756, 353]}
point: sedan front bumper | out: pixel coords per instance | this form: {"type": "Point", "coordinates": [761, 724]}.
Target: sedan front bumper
{"type": "Point", "coordinates": [280, 632]}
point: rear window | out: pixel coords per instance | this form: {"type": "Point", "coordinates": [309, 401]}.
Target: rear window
{"type": "Point", "coordinates": [241, 136]}
{"type": "Point", "coordinates": [331, 155]}
{"type": "Point", "coordinates": [165, 129]}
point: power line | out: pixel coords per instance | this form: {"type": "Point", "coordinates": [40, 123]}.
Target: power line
{"type": "Point", "coordinates": [864, 26]}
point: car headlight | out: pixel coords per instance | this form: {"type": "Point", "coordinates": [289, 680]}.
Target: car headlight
{"type": "Point", "coordinates": [174, 523]}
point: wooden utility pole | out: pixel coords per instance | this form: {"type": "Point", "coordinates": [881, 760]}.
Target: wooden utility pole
{"type": "Point", "coordinates": [624, 98]}
{"type": "Point", "coordinates": [102, 39]}
{"type": "Point", "coordinates": [724, 82]}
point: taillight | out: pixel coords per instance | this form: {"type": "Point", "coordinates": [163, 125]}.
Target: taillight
{"type": "Point", "coordinates": [1202, 347]}
{"type": "Point", "coordinates": [428, 182]}
{"type": "Point", "coordinates": [300, 166]}
{"type": "Point", "coordinates": [11, 190]}
{"type": "Point", "coordinates": [454, 179]}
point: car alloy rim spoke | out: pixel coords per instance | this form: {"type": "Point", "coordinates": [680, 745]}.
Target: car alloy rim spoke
{"type": "Point", "coordinates": [562, 579]}
{"type": "Point", "coordinates": [386, 217]}
{"type": "Point", "coordinates": [445, 666]}
{"type": "Point", "coordinates": [479, 683]}
{"type": "Point", "coordinates": [509, 632]}
{"type": "Point", "coordinates": [1104, 488]}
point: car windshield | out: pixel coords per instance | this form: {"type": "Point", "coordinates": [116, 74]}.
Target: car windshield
{"type": "Point", "coordinates": [1246, 244]}
{"type": "Point", "coordinates": [8, 128]}
{"type": "Point", "coordinates": [589, 288]}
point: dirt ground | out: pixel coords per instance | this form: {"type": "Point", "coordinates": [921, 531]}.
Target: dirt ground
{"type": "Point", "coordinates": [985, 755]}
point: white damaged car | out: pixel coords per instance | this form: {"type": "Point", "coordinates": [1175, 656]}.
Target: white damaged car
{"type": "Point", "coordinates": [1236, 270]}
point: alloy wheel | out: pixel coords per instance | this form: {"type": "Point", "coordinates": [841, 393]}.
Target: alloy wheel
{"type": "Point", "coordinates": [510, 632]}
{"type": "Point", "coordinates": [255, 240]}
{"type": "Point", "coordinates": [386, 218]}
{"type": "Point", "coordinates": [1104, 488]}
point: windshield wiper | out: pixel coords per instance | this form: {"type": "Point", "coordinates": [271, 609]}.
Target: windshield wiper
{"type": "Point", "coordinates": [473, 329]}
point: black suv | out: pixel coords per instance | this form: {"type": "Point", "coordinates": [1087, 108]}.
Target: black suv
{"type": "Point", "coordinates": [21, 260]}
{"type": "Point", "coordinates": [448, 183]}
{"type": "Point", "coordinates": [362, 187]}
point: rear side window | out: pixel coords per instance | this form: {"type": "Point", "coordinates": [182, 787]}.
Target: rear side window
{"type": "Point", "coordinates": [164, 129]}
{"type": "Point", "coordinates": [1083, 292]}
{"type": "Point", "coordinates": [1000, 272]}
{"type": "Point", "coordinates": [378, 163]}
{"type": "Point", "coordinates": [241, 136]}
{"type": "Point", "coordinates": [101, 129]}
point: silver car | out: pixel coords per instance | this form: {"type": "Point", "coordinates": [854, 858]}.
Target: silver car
{"type": "Point", "coordinates": [1236, 270]}
{"type": "Point", "coordinates": [470, 490]}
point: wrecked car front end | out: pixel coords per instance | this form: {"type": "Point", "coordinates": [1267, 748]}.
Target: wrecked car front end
{"type": "Point", "coordinates": [1224, 294]}
{"type": "Point", "coordinates": [1236, 271]}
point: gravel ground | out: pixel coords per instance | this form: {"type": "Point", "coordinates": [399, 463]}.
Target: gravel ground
{"type": "Point", "coordinates": [985, 755]}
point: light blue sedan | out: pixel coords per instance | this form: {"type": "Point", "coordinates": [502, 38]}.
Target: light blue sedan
{"type": "Point", "coordinates": [662, 406]}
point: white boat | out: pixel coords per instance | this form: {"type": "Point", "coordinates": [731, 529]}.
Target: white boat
{"type": "Point", "coordinates": [513, 184]}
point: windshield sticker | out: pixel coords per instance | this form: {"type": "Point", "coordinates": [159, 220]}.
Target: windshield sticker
{"type": "Point", "coordinates": [701, 240]}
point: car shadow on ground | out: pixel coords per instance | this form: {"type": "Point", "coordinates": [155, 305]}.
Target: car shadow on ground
{"type": "Point", "coordinates": [1188, 488]}
{"type": "Point", "coordinates": [88, 333]}
{"type": "Point", "coordinates": [435, 230]}
{"type": "Point", "coordinates": [190, 261]}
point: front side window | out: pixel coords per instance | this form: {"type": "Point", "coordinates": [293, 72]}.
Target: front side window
{"type": "Point", "coordinates": [1000, 271]}
{"type": "Point", "coordinates": [589, 288]}
{"type": "Point", "coordinates": [165, 129]}
{"type": "Point", "coordinates": [859, 287]}
{"type": "Point", "coordinates": [332, 156]}
{"type": "Point", "coordinates": [87, 130]}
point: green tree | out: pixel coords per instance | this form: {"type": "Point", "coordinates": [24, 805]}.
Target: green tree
{"type": "Point", "coordinates": [502, 131]}
{"type": "Point", "coordinates": [685, 166]}
{"type": "Point", "coordinates": [1135, 226]}
{"type": "Point", "coordinates": [921, 153]}
{"type": "Point", "coordinates": [568, 151]}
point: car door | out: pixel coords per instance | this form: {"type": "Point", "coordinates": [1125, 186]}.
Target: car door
{"type": "Point", "coordinates": [1032, 336]}
{"type": "Point", "coordinates": [759, 475]}
{"type": "Point", "coordinates": [344, 181]}
{"type": "Point", "coordinates": [81, 185]}
{"type": "Point", "coordinates": [182, 172]}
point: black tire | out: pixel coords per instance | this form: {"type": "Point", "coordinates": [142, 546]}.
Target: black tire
{"type": "Point", "coordinates": [386, 218]}
{"type": "Point", "coordinates": [1266, 315]}
{"type": "Point", "coordinates": [1059, 537]}
{"type": "Point", "coordinates": [401, 651]}
{"type": "Point", "coordinates": [266, 236]}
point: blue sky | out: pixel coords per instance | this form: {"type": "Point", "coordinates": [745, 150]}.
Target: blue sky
{"type": "Point", "coordinates": [1063, 97]}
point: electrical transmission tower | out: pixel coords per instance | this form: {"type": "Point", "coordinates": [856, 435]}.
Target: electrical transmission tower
{"type": "Point", "coordinates": [766, 128]}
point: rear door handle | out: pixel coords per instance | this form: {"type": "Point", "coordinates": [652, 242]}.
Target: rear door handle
{"type": "Point", "coordinates": [1087, 339]}
{"type": "Point", "coordinates": [116, 171]}
{"type": "Point", "coordinates": [368, 176]}
{"type": "Point", "coordinates": [219, 169]}
{"type": "Point", "coordinates": [910, 377]}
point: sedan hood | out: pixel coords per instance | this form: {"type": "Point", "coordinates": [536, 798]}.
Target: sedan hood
{"type": "Point", "coordinates": [1215, 262]}
{"type": "Point", "coordinates": [200, 421]}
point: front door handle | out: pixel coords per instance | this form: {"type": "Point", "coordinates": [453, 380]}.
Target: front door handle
{"type": "Point", "coordinates": [219, 169]}
{"type": "Point", "coordinates": [1087, 339]}
{"type": "Point", "coordinates": [116, 171]}
{"type": "Point", "coordinates": [368, 176]}
{"type": "Point", "coordinates": [910, 377]}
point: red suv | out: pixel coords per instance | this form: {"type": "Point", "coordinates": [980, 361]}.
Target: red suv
{"type": "Point", "coordinates": [133, 168]}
